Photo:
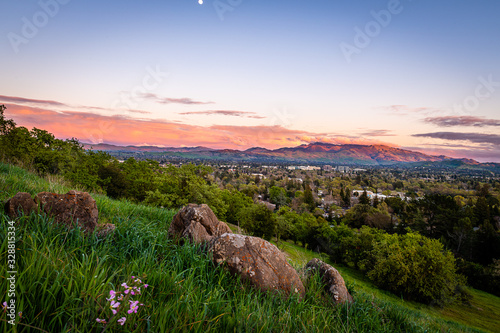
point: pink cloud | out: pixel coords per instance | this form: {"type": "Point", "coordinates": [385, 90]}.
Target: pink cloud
{"type": "Point", "coordinates": [449, 121]}
{"type": "Point", "coordinates": [244, 114]}
{"type": "Point", "coordinates": [125, 130]}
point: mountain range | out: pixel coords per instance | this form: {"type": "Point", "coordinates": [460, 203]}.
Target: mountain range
{"type": "Point", "coordinates": [318, 152]}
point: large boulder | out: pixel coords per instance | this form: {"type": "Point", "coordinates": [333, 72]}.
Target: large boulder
{"type": "Point", "coordinates": [197, 223]}
{"type": "Point", "coordinates": [21, 202]}
{"type": "Point", "coordinates": [70, 208]}
{"type": "Point", "coordinates": [257, 261]}
{"type": "Point", "coordinates": [334, 283]}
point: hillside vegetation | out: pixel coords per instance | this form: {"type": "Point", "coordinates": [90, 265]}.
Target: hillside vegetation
{"type": "Point", "coordinates": [64, 278]}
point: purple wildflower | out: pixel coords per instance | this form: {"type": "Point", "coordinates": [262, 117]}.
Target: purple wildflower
{"type": "Point", "coordinates": [133, 307]}
{"type": "Point", "coordinates": [121, 321]}
{"type": "Point", "coordinates": [112, 295]}
{"type": "Point", "coordinates": [114, 305]}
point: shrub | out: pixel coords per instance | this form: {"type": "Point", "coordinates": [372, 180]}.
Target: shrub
{"type": "Point", "coordinates": [258, 220]}
{"type": "Point", "coordinates": [355, 246]}
{"type": "Point", "coordinates": [415, 267]}
{"type": "Point", "coordinates": [481, 277]}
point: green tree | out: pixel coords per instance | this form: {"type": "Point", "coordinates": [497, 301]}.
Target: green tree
{"type": "Point", "coordinates": [258, 220]}
{"type": "Point", "coordinates": [308, 198]}
{"type": "Point", "coordinates": [277, 195]}
{"type": "Point", "coordinates": [236, 201]}
{"type": "Point", "coordinates": [6, 125]}
{"type": "Point", "coordinates": [363, 198]}
{"type": "Point", "coordinates": [414, 266]}
{"type": "Point", "coordinates": [288, 224]}
{"type": "Point", "coordinates": [112, 180]}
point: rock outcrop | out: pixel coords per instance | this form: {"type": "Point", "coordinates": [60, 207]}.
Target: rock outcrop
{"type": "Point", "coordinates": [21, 202]}
{"type": "Point", "coordinates": [71, 208]}
{"type": "Point", "coordinates": [257, 261]}
{"type": "Point", "coordinates": [197, 223]}
{"type": "Point", "coordinates": [334, 283]}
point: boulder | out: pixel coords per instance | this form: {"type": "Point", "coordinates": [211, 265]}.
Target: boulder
{"type": "Point", "coordinates": [21, 202]}
{"type": "Point", "coordinates": [257, 261]}
{"type": "Point", "coordinates": [70, 208]}
{"type": "Point", "coordinates": [334, 283]}
{"type": "Point", "coordinates": [197, 223]}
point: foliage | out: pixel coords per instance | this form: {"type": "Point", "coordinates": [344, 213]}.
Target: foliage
{"type": "Point", "coordinates": [355, 246]}
{"type": "Point", "coordinates": [258, 220]}
{"type": "Point", "coordinates": [236, 201]}
{"type": "Point", "coordinates": [414, 266]}
{"type": "Point", "coordinates": [481, 277]}
{"type": "Point", "coordinates": [277, 195]}
{"type": "Point", "coordinates": [364, 214]}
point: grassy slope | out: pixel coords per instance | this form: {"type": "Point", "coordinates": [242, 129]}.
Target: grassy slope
{"type": "Point", "coordinates": [483, 312]}
{"type": "Point", "coordinates": [63, 279]}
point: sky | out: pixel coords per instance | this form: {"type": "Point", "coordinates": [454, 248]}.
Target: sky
{"type": "Point", "coordinates": [421, 75]}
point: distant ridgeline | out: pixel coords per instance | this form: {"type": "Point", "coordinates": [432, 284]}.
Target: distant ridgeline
{"type": "Point", "coordinates": [314, 153]}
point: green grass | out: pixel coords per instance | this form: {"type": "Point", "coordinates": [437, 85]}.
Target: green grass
{"type": "Point", "coordinates": [64, 278]}
{"type": "Point", "coordinates": [483, 313]}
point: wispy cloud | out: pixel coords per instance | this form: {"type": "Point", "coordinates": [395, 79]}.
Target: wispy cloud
{"type": "Point", "coordinates": [340, 139]}
{"type": "Point", "coordinates": [39, 102]}
{"type": "Point", "coordinates": [98, 108]}
{"type": "Point", "coordinates": [449, 121]}
{"type": "Point", "coordinates": [21, 101]}
{"type": "Point", "coordinates": [456, 136]}
{"type": "Point", "coordinates": [244, 114]}
{"type": "Point", "coordinates": [481, 154]}
{"type": "Point", "coordinates": [126, 130]}
{"type": "Point", "coordinates": [377, 133]}
{"type": "Point", "coordinates": [403, 110]}
{"type": "Point", "coordinates": [166, 100]}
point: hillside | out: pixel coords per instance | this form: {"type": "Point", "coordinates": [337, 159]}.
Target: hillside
{"type": "Point", "coordinates": [369, 154]}
{"type": "Point", "coordinates": [308, 153]}
{"type": "Point", "coordinates": [64, 278]}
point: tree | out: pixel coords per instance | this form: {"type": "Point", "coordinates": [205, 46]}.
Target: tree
{"type": "Point", "coordinates": [236, 201]}
{"type": "Point", "coordinates": [345, 197]}
{"type": "Point", "coordinates": [287, 224]}
{"type": "Point", "coordinates": [414, 266]}
{"type": "Point", "coordinates": [258, 220]}
{"type": "Point", "coordinates": [6, 125]}
{"type": "Point", "coordinates": [277, 195]}
{"type": "Point", "coordinates": [364, 214]}
{"type": "Point", "coordinates": [481, 211]}
{"type": "Point", "coordinates": [112, 180]}
{"type": "Point", "coordinates": [363, 198]}
{"type": "Point", "coordinates": [487, 246]}
{"type": "Point", "coordinates": [308, 198]}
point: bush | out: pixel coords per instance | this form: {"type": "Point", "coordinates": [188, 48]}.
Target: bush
{"type": "Point", "coordinates": [481, 277]}
{"type": "Point", "coordinates": [356, 246]}
{"type": "Point", "coordinates": [415, 267]}
{"type": "Point", "coordinates": [258, 220]}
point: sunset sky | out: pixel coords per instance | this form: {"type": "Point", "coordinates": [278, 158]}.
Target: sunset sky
{"type": "Point", "coordinates": [422, 75]}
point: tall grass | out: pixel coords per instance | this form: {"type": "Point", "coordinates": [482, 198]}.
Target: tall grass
{"type": "Point", "coordinates": [64, 278]}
